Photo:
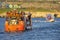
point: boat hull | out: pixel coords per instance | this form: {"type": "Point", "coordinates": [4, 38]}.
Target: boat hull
{"type": "Point", "coordinates": [14, 28]}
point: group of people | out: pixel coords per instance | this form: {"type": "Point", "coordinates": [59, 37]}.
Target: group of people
{"type": "Point", "coordinates": [19, 16]}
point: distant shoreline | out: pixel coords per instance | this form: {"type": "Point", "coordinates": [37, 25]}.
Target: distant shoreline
{"type": "Point", "coordinates": [36, 14]}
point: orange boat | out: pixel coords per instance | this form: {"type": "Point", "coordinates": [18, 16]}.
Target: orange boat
{"type": "Point", "coordinates": [14, 23]}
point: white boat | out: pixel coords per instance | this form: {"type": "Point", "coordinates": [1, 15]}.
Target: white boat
{"type": "Point", "coordinates": [49, 18]}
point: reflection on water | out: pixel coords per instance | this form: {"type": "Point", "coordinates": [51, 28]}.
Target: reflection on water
{"type": "Point", "coordinates": [40, 31]}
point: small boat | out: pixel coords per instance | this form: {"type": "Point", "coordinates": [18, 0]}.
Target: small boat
{"type": "Point", "coordinates": [49, 18]}
{"type": "Point", "coordinates": [15, 22]}
{"type": "Point", "coordinates": [13, 25]}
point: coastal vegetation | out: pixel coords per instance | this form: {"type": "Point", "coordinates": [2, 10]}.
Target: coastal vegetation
{"type": "Point", "coordinates": [36, 7]}
{"type": "Point", "coordinates": [26, 9]}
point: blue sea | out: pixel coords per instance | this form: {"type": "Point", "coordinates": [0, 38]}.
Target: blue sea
{"type": "Point", "coordinates": [41, 30]}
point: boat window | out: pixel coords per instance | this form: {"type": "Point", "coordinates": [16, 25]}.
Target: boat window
{"type": "Point", "coordinates": [13, 22]}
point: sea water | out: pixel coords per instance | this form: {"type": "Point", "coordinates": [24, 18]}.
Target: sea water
{"type": "Point", "coordinates": [41, 30]}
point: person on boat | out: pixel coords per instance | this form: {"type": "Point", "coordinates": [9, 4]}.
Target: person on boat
{"type": "Point", "coordinates": [29, 19]}
{"type": "Point", "coordinates": [8, 15]}
{"type": "Point", "coordinates": [22, 15]}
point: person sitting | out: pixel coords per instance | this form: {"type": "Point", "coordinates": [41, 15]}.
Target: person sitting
{"type": "Point", "coordinates": [22, 15]}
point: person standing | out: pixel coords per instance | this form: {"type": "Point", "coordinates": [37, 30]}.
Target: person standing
{"type": "Point", "coordinates": [29, 19]}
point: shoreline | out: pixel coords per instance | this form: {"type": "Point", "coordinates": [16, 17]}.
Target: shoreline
{"type": "Point", "coordinates": [35, 14]}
